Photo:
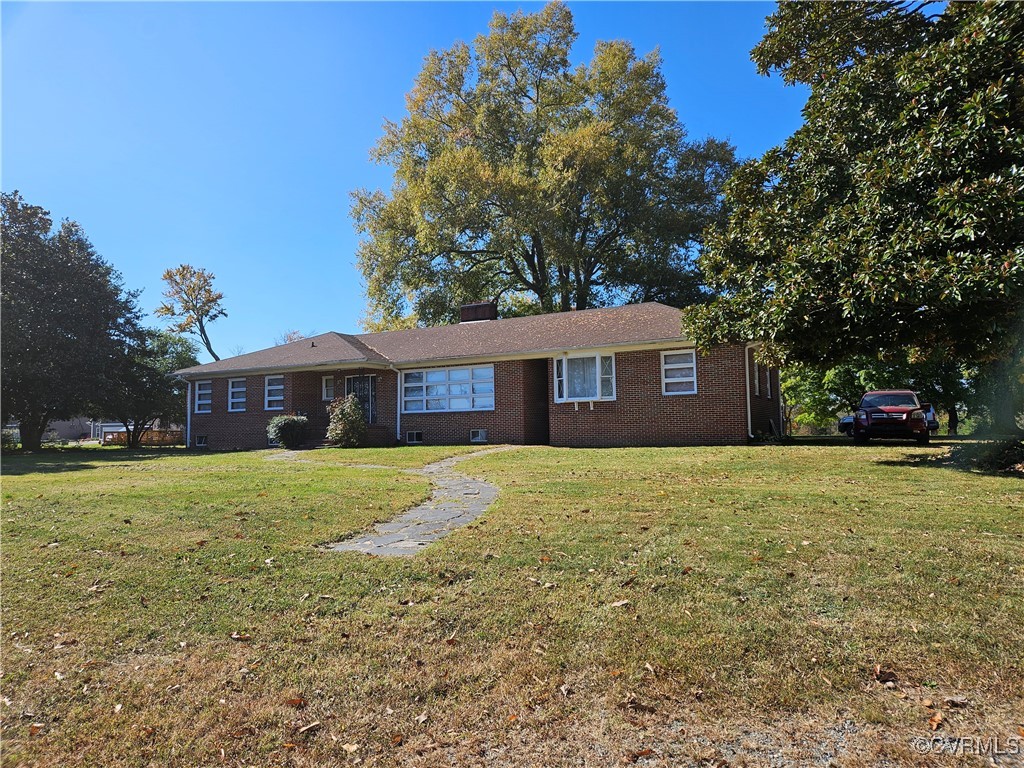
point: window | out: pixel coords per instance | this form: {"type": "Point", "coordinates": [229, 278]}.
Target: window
{"type": "Point", "coordinates": [273, 393]}
{"type": "Point", "coordinates": [236, 395]}
{"type": "Point", "coordinates": [414, 438]}
{"type": "Point", "coordinates": [757, 379]}
{"type": "Point", "coordinates": [590, 377]}
{"type": "Point", "coordinates": [200, 441]}
{"type": "Point", "coordinates": [328, 388]}
{"type": "Point", "coordinates": [679, 372]}
{"type": "Point", "coordinates": [204, 396]}
{"type": "Point", "coordinates": [448, 389]}
{"type": "Point", "coordinates": [768, 383]}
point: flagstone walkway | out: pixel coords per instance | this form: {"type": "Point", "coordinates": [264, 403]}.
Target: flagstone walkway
{"type": "Point", "coordinates": [457, 499]}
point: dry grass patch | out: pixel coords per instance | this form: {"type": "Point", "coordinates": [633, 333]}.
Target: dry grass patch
{"type": "Point", "coordinates": [657, 607]}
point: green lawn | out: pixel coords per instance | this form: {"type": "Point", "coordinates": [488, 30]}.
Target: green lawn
{"type": "Point", "coordinates": [657, 606]}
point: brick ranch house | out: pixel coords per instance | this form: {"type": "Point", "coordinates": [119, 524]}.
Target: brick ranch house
{"type": "Point", "coordinates": [620, 376]}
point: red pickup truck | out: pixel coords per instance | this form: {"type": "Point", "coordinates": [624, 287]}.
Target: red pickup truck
{"type": "Point", "coordinates": [891, 413]}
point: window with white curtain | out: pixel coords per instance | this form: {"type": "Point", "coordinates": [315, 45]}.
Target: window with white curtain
{"type": "Point", "coordinates": [584, 377]}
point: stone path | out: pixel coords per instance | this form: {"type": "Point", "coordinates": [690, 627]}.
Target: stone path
{"type": "Point", "coordinates": [457, 499]}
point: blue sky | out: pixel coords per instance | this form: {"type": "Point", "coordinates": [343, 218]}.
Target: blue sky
{"type": "Point", "coordinates": [229, 135]}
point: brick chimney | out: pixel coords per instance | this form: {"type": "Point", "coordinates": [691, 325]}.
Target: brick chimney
{"type": "Point", "coordinates": [474, 313]}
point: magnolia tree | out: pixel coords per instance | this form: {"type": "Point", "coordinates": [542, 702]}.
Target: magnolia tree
{"type": "Point", "coordinates": [889, 225]}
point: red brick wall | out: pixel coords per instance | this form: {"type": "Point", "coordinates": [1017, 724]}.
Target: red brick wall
{"type": "Point", "coordinates": [238, 431]}
{"type": "Point", "coordinates": [536, 389]}
{"type": "Point", "coordinates": [642, 415]}
{"type": "Point", "coordinates": [505, 424]}
{"type": "Point", "coordinates": [525, 411]}
{"type": "Point", "coordinates": [764, 410]}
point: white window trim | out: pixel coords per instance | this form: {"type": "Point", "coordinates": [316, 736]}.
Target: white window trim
{"type": "Point", "coordinates": [757, 378]}
{"type": "Point", "coordinates": [231, 396]}
{"type": "Point", "coordinates": [208, 402]}
{"type": "Point", "coordinates": [664, 379]}
{"type": "Point", "coordinates": [469, 368]}
{"type": "Point", "coordinates": [266, 393]}
{"type": "Point", "coordinates": [565, 367]}
{"type": "Point", "coordinates": [768, 383]}
{"type": "Point", "coordinates": [323, 387]}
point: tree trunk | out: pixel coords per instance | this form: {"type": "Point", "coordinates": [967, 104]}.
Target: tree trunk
{"type": "Point", "coordinates": [954, 419]}
{"type": "Point", "coordinates": [206, 340]}
{"type": "Point", "coordinates": [32, 428]}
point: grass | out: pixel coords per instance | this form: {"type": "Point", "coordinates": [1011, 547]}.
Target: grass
{"type": "Point", "coordinates": [658, 606]}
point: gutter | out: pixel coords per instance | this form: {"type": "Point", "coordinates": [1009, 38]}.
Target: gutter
{"type": "Point", "coordinates": [746, 365]}
{"type": "Point", "coordinates": [398, 403]}
{"type": "Point", "coordinates": [188, 413]}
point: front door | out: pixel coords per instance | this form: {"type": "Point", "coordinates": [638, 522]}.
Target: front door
{"type": "Point", "coordinates": [365, 390]}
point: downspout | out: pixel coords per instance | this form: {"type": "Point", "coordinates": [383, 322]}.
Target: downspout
{"type": "Point", "coordinates": [188, 414]}
{"type": "Point", "coordinates": [398, 402]}
{"type": "Point", "coordinates": [746, 366]}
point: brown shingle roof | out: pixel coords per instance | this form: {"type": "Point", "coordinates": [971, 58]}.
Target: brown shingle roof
{"type": "Point", "coordinates": [539, 334]}
{"type": "Point", "coordinates": [306, 353]}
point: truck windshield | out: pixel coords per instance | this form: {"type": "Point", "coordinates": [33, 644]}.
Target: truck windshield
{"type": "Point", "coordinates": [890, 400]}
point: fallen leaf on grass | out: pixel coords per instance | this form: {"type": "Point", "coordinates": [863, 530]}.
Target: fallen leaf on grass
{"type": "Point", "coordinates": [618, 604]}
{"type": "Point", "coordinates": [397, 740]}
{"type": "Point", "coordinates": [350, 748]}
{"type": "Point", "coordinates": [309, 728]}
{"type": "Point", "coordinates": [935, 721]}
{"type": "Point", "coordinates": [422, 717]}
{"type": "Point", "coordinates": [885, 675]}
{"type": "Point", "coordinates": [634, 704]}
{"type": "Point", "coordinates": [35, 729]}
{"type": "Point", "coordinates": [298, 702]}
{"type": "Point", "coordinates": [240, 637]}
{"type": "Point", "coordinates": [958, 702]}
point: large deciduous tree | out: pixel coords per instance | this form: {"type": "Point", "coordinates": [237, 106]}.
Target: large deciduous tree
{"type": "Point", "coordinates": [521, 178]}
{"type": "Point", "coordinates": [191, 302]}
{"type": "Point", "coordinates": [64, 318]}
{"type": "Point", "coordinates": [137, 388]}
{"type": "Point", "coordinates": [891, 221]}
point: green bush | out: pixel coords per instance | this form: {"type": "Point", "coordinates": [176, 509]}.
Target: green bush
{"type": "Point", "coordinates": [347, 428]}
{"type": "Point", "coordinates": [289, 431]}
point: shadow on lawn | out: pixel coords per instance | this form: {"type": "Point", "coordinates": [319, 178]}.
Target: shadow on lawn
{"type": "Point", "coordinates": [75, 459]}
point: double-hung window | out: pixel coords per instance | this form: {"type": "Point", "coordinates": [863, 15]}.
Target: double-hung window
{"type": "Point", "coordinates": [327, 388]}
{"type": "Point", "coordinates": [469, 388]}
{"type": "Point", "coordinates": [204, 397]}
{"type": "Point", "coordinates": [273, 393]}
{"type": "Point", "coordinates": [236, 395]}
{"type": "Point", "coordinates": [679, 372]}
{"type": "Point", "coordinates": [584, 377]}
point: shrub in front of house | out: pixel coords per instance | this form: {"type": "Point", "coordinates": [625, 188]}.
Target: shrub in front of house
{"type": "Point", "coordinates": [347, 428]}
{"type": "Point", "coordinates": [289, 431]}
